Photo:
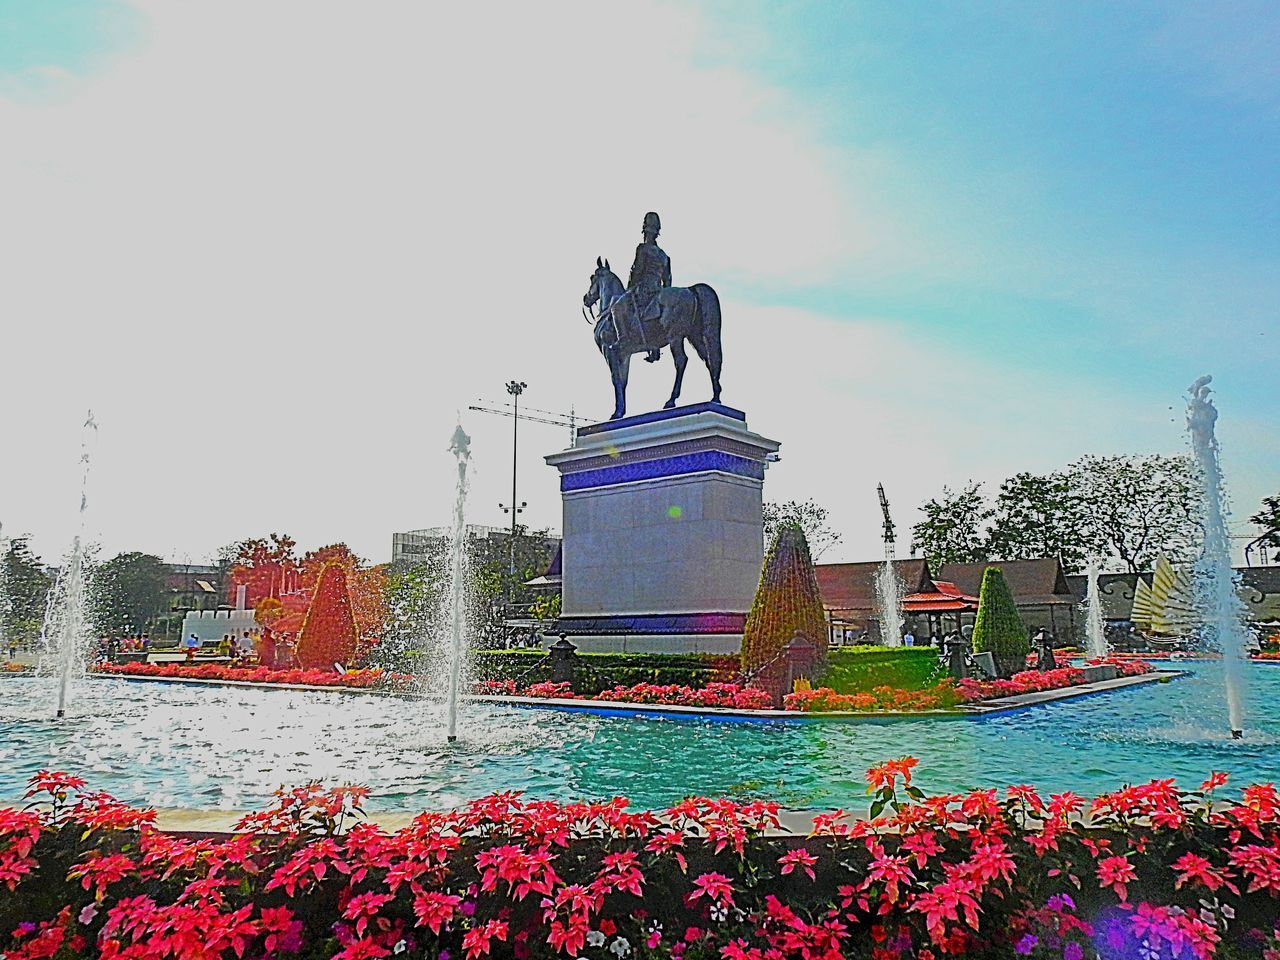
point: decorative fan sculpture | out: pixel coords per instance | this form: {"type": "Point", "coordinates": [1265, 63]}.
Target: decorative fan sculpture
{"type": "Point", "coordinates": [1166, 606]}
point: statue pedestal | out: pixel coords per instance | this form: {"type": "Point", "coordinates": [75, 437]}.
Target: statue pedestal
{"type": "Point", "coordinates": [663, 536]}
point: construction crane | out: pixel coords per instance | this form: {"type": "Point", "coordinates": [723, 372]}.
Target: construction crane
{"type": "Point", "coordinates": [569, 419]}
{"type": "Point", "coordinates": [890, 538]}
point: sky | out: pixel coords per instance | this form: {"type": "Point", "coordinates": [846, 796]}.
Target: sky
{"type": "Point", "coordinates": [280, 248]}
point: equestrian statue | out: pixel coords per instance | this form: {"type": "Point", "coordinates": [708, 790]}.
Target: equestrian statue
{"type": "Point", "coordinates": [648, 314]}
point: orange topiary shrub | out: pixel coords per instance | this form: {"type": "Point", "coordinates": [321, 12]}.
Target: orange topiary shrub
{"type": "Point", "coordinates": [329, 630]}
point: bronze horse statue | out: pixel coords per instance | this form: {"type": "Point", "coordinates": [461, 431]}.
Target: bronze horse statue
{"type": "Point", "coordinates": [688, 313]}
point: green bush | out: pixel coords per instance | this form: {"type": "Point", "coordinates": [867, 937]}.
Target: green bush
{"type": "Point", "coordinates": [862, 669]}
{"type": "Point", "coordinates": [998, 628]}
{"type": "Point", "coordinates": [602, 671]}
{"type": "Point", "coordinates": [786, 602]}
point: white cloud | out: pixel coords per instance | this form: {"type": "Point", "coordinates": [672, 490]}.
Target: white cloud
{"type": "Point", "coordinates": [279, 247]}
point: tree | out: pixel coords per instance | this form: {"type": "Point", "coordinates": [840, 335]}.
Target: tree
{"type": "Point", "coordinates": [414, 602]}
{"type": "Point", "coordinates": [787, 601]}
{"type": "Point", "coordinates": [265, 566]}
{"type": "Point", "coordinates": [24, 591]}
{"type": "Point", "coordinates": [416, 592]}
{"type": "Point", "coordinates": [1137, 507]}
{"type": "Point", "coordinates": [497, 589]}
{"type": "Point", "coordinates": [954, 527]}
{"type": "Point", "coordinates": [130, 592]}
{"type": "Point", "coordinates": [1038, 516]}
{"type": "Point", "coordinates": [998, 628]}
{"type": "Point", "coordinates": [811, 518]}
{"type": "Point", "coordinates": [1268, 518]}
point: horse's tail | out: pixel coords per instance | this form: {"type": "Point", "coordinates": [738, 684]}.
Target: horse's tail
{"type": "Point", "coordinates": [706, 338]}
{"type": "Point", "coordinates": [706, 320]}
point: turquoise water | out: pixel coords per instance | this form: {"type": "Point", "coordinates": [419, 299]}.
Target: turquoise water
{"type": "Point", "coordinates": [178, 745]}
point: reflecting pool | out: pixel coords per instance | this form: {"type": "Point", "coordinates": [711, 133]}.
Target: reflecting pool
{"type": "Point", "coordinates": [173, 745]}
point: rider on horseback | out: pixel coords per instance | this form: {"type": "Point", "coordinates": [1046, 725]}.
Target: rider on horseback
{"type": "Point", "coordinates": [650, 273]}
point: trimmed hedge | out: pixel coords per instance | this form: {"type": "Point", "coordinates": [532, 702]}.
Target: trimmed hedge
{"type": "Point", "coordinates": [862, 669]}
{"type": "Point", "coordinates": [787, 601]}
{"type": "Point", "coordinates": [603, 671]}
{"type": "Point", "coordinates": [998, 628]}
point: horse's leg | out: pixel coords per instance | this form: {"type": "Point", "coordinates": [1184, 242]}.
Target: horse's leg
{"type": "Point", "coordinates": [619, 367]}
{"type": "Point", "coordinates": [682, 359]}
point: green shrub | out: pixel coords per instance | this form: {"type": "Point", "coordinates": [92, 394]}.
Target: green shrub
{"type": "Point", "coordinates": [998, 628]}
{"type": "Point", "coordinates": [786, 603]}
{"type": "Point", "coordinates": [862, 669]}
{"type": "Point", "coordinates": [602, 671]}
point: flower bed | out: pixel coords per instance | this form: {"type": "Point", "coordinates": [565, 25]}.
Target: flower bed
{"type": "Point", "coordinates": [944, 695]}
{"type": "Point", "coordinates": [360, 679]}
{"type": "Point", "coordinates": [941, 696]}
{"type": "Point", "coordinates": [948, 693]}
{"type": "Point", "coordinates": [1033, 681]}
{"type": "Point", "coordinates": [1158, 873]}
{"type": "Point", "coordinates": [1267, 655]}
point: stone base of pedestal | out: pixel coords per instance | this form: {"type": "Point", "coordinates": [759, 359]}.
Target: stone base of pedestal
{"type": "Point", "coordinates": [663, 532]}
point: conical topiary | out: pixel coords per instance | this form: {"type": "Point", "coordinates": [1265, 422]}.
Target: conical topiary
{"type": "Point", "coordinates": [787, 601]}
{"type": "Point", "coordinates": [328, 633]}
{"type": "Point", "coordinates": [998, 628]}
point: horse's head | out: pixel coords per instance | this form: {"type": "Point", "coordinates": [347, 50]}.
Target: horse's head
{"type": "Point", "coordinates": [599, 284]}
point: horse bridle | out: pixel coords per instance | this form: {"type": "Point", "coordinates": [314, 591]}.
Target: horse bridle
{"type": "Point", "coordinates": [593, 319]}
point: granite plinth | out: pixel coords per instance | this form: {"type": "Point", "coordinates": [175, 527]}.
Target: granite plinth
{"type": "Point", "coordinates": [662, 519]}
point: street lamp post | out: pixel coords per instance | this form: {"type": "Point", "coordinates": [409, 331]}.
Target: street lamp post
{"type": "Point", "coordinates": [515, 388]}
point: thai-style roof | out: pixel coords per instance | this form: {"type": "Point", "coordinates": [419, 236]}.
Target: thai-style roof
{"type": "Point", "coordinates": [1032, 582]}
{"type": "Point", "coordinates": [946, 598]}
{"type": "Point", "coordinates": [851, 587]}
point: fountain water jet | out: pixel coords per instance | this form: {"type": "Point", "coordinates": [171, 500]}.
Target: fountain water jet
{"type": "Point", "coordinates": [460, 447]}
{"type": "Point", "coordinates": [888, 586]}
{"type": "Point", "coordinates": [66, 622]}
{"type": "Point", "coordinates": [1221, 613]}
{"type": "Point", "coordinates": [1094, 627]}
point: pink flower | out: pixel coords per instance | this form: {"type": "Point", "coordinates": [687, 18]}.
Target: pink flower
{"type": "Point", "coordinates": [715, 886]}
{"type": "Point", "coordinates": [477, 940]}
{"type": "Point", "coordinates": [364, 907]}
{"type": "Point", "coordinates": [1116, 872]}
{"type": "Point", "coordinates": [799, 857]}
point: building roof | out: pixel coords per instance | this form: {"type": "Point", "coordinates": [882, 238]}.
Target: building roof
{"type": "Point", "coordinates": [1032, 582]}
{"type": "Point", "coordinates": [946, 598]}
{"type": "Point", "coordinates": [852, 586]}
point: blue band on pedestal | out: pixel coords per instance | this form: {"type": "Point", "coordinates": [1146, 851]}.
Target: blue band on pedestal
{"type": "Point", "coordinates": [688, 463]}
{"type": "Point", "coordinates": [651, 623]}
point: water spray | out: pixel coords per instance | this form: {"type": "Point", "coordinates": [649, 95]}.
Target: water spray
{"type": "Point", "coordinates": [71, 629]}
{"type": "Point", "coordinates": [460, 447]}
{"type": "Point", "coordinates": [1221, 611]}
